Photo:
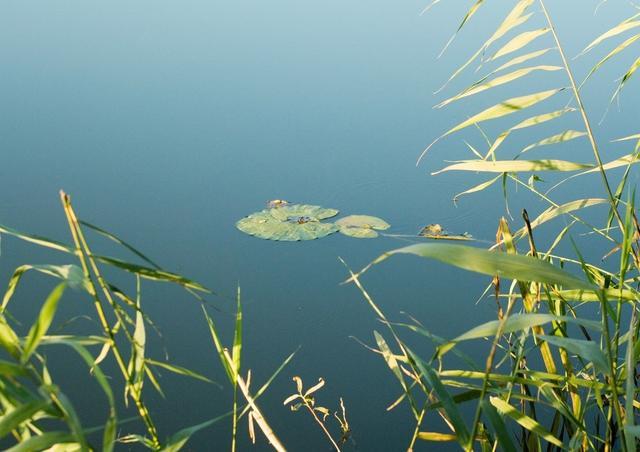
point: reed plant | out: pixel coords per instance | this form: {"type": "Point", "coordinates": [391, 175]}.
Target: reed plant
{"type": "Point", "coordinates": [35, 414]}
{"type": "Point", "coordinates": [560, 371]}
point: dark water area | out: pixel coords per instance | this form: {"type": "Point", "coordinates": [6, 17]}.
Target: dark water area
{"type": "Point", "coordinates": [168, 122]}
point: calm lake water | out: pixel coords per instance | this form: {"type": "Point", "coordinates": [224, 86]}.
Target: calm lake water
{"type": "Point", "coordinates": [169, 121]}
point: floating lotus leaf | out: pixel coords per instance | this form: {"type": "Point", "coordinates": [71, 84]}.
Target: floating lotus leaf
{"type": "Point", "coordinates": [361, 226]}
{"type": "Point", "coordinates": [304, 211]}
{"type": "Point", "coordinates": [266, 226]}
{"type": "Point", "coordinates": [363, 221]}
{"type": "Point", "coordinates": [435, 231]}
{"type": "Point", "coordinates": [359, 233]}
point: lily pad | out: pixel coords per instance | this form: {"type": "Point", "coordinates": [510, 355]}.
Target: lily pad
{"type": "Point", "coordinates": [295, 211]}
{"type": "Point", "coordinates": [435, 231]}
{"type": "Point", "coordinates": [359, 233]}
{"type": "Point", "coordinates": [362, 226]}
{"type": "Point", "coordinates": [266, 225]}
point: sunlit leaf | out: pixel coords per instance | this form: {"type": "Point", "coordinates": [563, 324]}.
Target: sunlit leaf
{"type": "Point", "coordinates": [513, 166]}
{"type": "Point", "coordinates": [519, 42]}
{"type": "Point", "coordinates": [40, 327]}
{"type": "Point", "coordinates": [361, 226]}
{"type": "Point", "coordinates": [590, 351]}
{"type": "Point", "coordinates": [567, 135]}
{"type": "Point", "coordinates": [512, 266]}
{"type": "Point", "coordinates": [618, 29]}
{"type": "Point", "coordinates": [525, 421]}
{"type": "Point", "coordinates": [501, 80]}
{"type": "Point", "coordinates": [289, 223]}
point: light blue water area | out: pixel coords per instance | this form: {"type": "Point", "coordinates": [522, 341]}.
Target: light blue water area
{"type": "Point", "coordinates": [169, 121]}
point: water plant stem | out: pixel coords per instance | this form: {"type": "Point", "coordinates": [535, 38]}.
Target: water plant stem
{"type": "Point", "coordinates": [583, 112]}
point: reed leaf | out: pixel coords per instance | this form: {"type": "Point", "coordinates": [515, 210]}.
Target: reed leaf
{"type": "Point", "coordinates": [519, 42]}
{"type": "Point", "coordinates": [12, 419]}
{"type": "Point", "coordinates": [40, 327]}
{"type": "Point", "coordinates": [512, 266]}
{"type": "Point", "coordinates": [151, 273]}
{"type": "Point", "coordinates": [499, 110]}
{"type": "Point", "coordinates": [626, 25]}
{"type": "Point", "coordinates": [525, 421]}
{"type": "Point", "coordinates": [43, 441]}
{"type": "Point", "coordinates": [179, 370]}
{"type": "Point", "coordinates": [72, 274]}
{"type": "Point", "coordinates": [513, 166]}
{"type": "Point", "coordinates": [501, 80]}
{"type": "Point", "coordinates": [521, 59]}
{"type": "Point", "coordinates": [433, 382]}
{"type": "Point", "coordinates": [611, 54]}
{"type": "Point", "coordinates": [36, 239]}
{"type": "Point", "coordinates": [567, 135]}
{"type": "Point", "coordinates": [179, 439]}
{"type": "Point", "coordinates": [587, 350]}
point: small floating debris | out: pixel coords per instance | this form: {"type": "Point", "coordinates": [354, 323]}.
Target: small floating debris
{"type": "Point", "coordinates": [362, 226]}
{"type": "Point", "coordinates": [436, 231]}
{"type": "Point", "coordinates": [275, 203]}
{"type": "Point", "coordinates": [289, 223]}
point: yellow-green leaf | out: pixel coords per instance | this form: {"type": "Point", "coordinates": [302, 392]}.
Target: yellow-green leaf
{"type": "Point", "coordinates": [567, 135]}
{"type": "Point", "coordinates": [501, 80]}
{"type": "Point", "coordinates": [513, 166]}
{"type": "Point", "coordinates": [519, 42]}
{"type": "Point", "coordinates": [525, 421]}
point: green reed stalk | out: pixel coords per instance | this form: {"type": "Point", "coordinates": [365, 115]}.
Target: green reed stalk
{"type": "Point", "coordinates": [583, 112]}
{"type": "Point", "coordinates": [84, 255]}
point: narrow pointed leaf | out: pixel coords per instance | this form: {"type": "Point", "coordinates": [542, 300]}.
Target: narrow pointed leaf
{"type": "Point", "coordinates": [525, 421]}
{"type": "Point", "coordinates": [588, 350]}
{"type": "Point", "coordinates": [429, 375]}
{"type": "Point", "coordinates": [151, 273]}
{"type": "Point", "coordinates": [513, 166]}
{"type": "Point", "coordinates": [501, 80]}
{"type": "Point", "coordinates": [477, 188]}
{"type": "Point", "coordinates": [521, 59]}
{"type": "Point", "coordinates": [618, 29]}
{"type": "Point", "coordinates": [519, 42]}
{"type": "Point", "coordinates": [511, 266]}
{"type": "Point", "coordinates": [567, 135]}
{"type": "Point", "coordinates": [40, 327]}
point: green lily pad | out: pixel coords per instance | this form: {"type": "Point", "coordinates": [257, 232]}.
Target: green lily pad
{"type": "Point", "coordinates": [359, 233]}
{"type": "Point", "coordinates": [362, 226]}
{"type": "Point", "coordinates": [265, 225]}
{"type": "Point", "coordinates": [304, 211]}
{"type": "Point", "coordinates": [363, 221]}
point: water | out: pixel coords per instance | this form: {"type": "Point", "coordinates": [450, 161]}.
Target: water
{"type": "Point", "coordinates": [167, 122]}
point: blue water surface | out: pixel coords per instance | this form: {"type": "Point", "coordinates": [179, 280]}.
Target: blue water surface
{"type": "Point", "coordinates": [168, 121]}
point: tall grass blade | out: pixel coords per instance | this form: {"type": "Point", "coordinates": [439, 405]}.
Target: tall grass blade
{"type": "Point", "coordinates": [36, 239]}
{"type": "Point", "coordinates": [504, 108]}
{"type": "Point", "coordinates": [72, 274]}
{"type": "Point", "coordinates": [44, 441]}
{"type": "Point", "coordinates": [519, 42]}
{"type": "Point", "coordinates": [12, 419]}
{"type": "Point", "coordinates": [512, 266]}
{"type": "Point", "coordinates": [513, 166]}
{"type": "Point", "coordinates": [567, 135]}
{"type": "Point", "coordinates": [525, 421]}
{"type": "Point", "coordinates": [431, 379]}
{"type": "Point", "coordinates": [499, 427]}
{"type": "Point", "coordinates": [179, 439]}
{"type": "Point", "coordinates": [151, 273]}
{"type": "Point", "coordinates": [498, 81]}
{"type": "Point", "coordinates": [40, 327]}
{"type": "Point", "coordinates": [618, 29]}
{"type": "Point", "coordinates": [587, 350]}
